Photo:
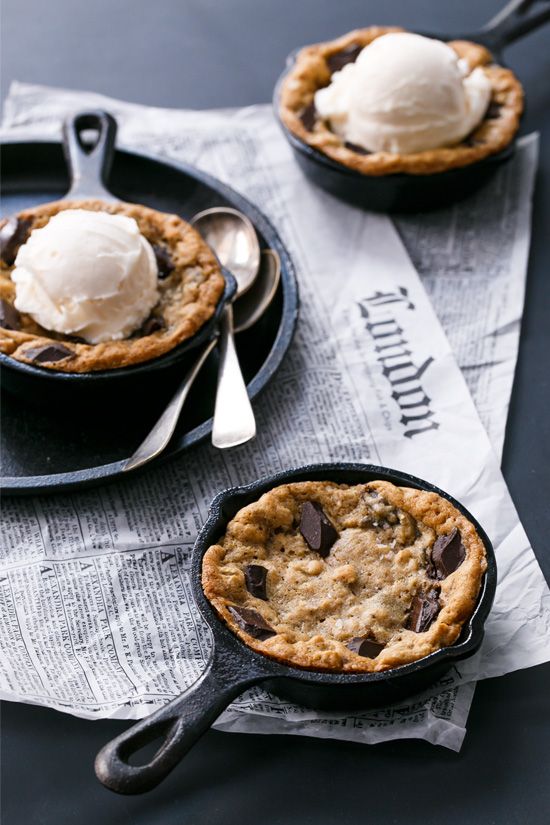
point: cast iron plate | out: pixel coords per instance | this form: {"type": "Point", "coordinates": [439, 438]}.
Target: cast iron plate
{"type": "Point", "coordinates": [44, 451]}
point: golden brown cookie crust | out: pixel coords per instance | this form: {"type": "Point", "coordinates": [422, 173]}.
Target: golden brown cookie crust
{"type": "Point", "coordinates": [188, 296]}
{"type": "Point", "coordinates": [311, 72]}
{"type": "Point", "coordinates": [366, 584]}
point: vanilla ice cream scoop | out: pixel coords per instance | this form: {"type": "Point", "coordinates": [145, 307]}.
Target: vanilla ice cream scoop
{"type": "Point", "coordinates": [85, 273]}
{"type": "Point", "coordinates": [405, 93]}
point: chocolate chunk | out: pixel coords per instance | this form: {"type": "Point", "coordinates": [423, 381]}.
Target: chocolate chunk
{"type": "Point", "coordinates": [252, 622]}
{"type": "Point", "coordinates": [152, 324]}
{"type": "Point", "coordinates": [365, 646]}
{"type": "Point", "coordinates": [47, 353]}
{"type": "Point", "coordinates": [359, 150]}
{"type": "Point", "coordinates": [316, 528]}
{"type": "Point", "coordinates": [12, 235]}
{"type": "Point", "coordinates": [472, 141]}
{"type": "Point", "coordinates": [9, 316]}
{"type": "Point", "coordinates": [165, 263]}
{"type": "Point", "coordinates": [493, 110]}
{"type": "Point", "coordinates": [337, 61]}
{"type": "Point", "coordinates": [424, 609]}
{"type": "Point", "coordinates": [308, 116]}
{"type": "Point", "coordinates": [448, 553]}
{"type": "Point", "coordinates": [255, 577]}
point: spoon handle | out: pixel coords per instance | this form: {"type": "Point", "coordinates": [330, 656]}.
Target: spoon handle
{"type": "Point", "coordinates": [163, 430]}
{"type": "Point", "coordinates": [234, 422]}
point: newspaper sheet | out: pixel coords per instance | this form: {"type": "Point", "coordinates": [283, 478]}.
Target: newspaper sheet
{"type": "Point", "coordinates": [95, 598]}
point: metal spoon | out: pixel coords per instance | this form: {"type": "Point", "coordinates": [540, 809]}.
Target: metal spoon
{"type": "Point", "coordinates": [248, 310]}
{"type": "Point", "coordinates": [233, 238]}
{"type": "Point", "coordinates": [251, 306]}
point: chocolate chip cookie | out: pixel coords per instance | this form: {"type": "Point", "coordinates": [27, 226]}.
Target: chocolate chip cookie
{"type": "Point", "coordinates": [357, 578]}
{"type": "Point", "coordinates": [314, 68]}
{"type": "Point", "coordinates": [190, 286]}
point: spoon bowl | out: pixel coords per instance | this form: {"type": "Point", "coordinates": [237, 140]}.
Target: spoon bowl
{"type": "Point", "coordinates": [233, 238]}
{"type": "Point", "coordinates": [251, 306]}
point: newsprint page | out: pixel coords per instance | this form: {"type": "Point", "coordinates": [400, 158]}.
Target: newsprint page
{"type": "Point", "coordinates": [405, 329]}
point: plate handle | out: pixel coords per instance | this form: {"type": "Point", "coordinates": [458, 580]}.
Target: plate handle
{"type": "Point", "coordinates": [89, 162]}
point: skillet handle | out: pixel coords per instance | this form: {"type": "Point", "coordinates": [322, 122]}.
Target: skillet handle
{"type": "Point", "coordinates": [180, 724]}
{"type": "Point", "coordinates": [89, 167]}
{"type": "Point", "coordinates": [515, 20]}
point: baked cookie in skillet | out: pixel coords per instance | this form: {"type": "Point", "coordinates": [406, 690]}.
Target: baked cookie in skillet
{"type": "Point", "coordinates": [356, 578]}
{"type": "Point", "coordinates": [315, 67]}
{"type": "Point", "coordinates": [189, 281]}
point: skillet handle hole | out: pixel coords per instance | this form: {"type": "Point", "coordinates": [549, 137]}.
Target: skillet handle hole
{"type": "Point", "coordinates": [145, 752]}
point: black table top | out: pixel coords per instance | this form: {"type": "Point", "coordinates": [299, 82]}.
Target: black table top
{"type": "Point", "coordinates": [206, 53]}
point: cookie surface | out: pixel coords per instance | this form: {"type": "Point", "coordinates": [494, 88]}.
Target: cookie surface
{"type": "Point", "coordinates": [190, 287]}
{"type": "Point", "coordinates": [346, 578]}
{"type": "Point", "coordinates": [313, 70]}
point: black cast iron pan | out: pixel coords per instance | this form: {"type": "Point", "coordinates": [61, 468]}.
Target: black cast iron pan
{"type": "Point", "coordinates": [417, 193]}
{"type": "Point", "coordinates": [89, 165]}
{"type": "Point", "coordinates": [49, 447]}
{"type": "Point", "coordinates": [234, 667]}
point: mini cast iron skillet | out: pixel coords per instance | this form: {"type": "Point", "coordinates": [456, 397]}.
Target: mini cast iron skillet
{"type": "Point", "coordinates": [417, 193]}
{"type": "Point", "coordinates": [234, 666]}
{"type": "Point", "coordinates": [89, 166]}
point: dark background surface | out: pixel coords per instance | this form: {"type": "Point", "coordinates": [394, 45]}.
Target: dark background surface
{"type": "Point", "coordinates": [206, 53]}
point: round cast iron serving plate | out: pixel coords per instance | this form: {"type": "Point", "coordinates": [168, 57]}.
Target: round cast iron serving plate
{"type": "Point", "coordinates": [45, 449]}
{"type": "Point", "coordinates": [234, 666]}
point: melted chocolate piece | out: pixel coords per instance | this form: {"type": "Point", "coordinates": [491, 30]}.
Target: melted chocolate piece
{"type": "Point", "coordinates": [165, 263]}
{"type": "Point", "coordinates": [472, 141]}
{"type": "Point", "coordinates": [47, 353]}
{"type": "Point", "coordinates": [364, 646]}
{"type": "Point", "coordinates": [359, 150]}
{"type": "Point", "coordinates": [12, 235]}
{"type": "Point", "coordinates": [448, 553]}
{"type": "Point", "coordinates": [255, 577]}
{"type": "Point", "coordinates": [337, 61]}
{"type": "Point", "coordinates": [318, 532]}
{"type": "Point", "coordinates": [152, 324]}
{"type": "Point", "coordinates": [493, 110]}
{"type": "Point", "coordinates": [9, 316]}
{"type": "Point", "coordinates": [308, 116]}
{"type": "Point", "coordinates": [424, 609]}
{"type": "Point", "coordinates": [252, 622]}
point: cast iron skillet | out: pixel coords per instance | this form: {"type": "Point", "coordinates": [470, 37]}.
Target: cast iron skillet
{"type": "Point", "coordinates": [89, 167]}
{"type": "Point", "coordinates": [417, 193]}
{"type": "Point", "coordinates": [234, 667]}
{"type": "Point", "coordinates": [47, 448]}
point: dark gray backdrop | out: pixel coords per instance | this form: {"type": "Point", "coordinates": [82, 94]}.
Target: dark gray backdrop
{"type": "Point", "coordinates": [206, 53]}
